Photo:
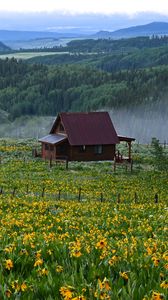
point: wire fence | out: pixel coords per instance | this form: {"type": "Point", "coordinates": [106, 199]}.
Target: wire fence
{"type": "Point", "coordinates": [80, 196]}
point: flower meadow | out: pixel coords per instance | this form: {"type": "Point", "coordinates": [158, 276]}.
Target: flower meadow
{"type": "Point", "coordinates": [83, 233]}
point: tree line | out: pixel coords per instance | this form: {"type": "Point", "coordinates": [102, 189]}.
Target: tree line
{"type": "Point", "coordinates": [121, 45]}
{"type": "Point", "coordinates": [110, 62]}
{"type": "Point", "coordinates": [46, 90]}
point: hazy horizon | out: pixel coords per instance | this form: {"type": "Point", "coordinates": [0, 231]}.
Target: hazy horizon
{"type": "Point", "coordinates": [82, 23]}
{"type": "Point", "coordinates": [78, 15]}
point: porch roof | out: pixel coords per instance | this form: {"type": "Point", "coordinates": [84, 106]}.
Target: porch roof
{"type": "Point", "coordinates": [125, 139]}
{"type": "Point", "coordinates": [53, 139]}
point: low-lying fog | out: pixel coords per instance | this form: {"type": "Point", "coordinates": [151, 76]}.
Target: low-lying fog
{"type": "Point", "coordinates": [142, 123]}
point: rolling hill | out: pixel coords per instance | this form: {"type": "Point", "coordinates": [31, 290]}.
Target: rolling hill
{"type": "Point", "coordinates": [154, 28]}
{"type": "Point", "coordinates": [34, 39]}
{"type": "Point", "coordinates": [14, 35]}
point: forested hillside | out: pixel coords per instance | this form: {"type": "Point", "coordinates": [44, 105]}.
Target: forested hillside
{"type": "Point", "coordinates": [43, 90]}
{"type": "Point", "coordinates": [111, 55]}
{"type": "Point", "coordinates": [110, 45]}
{"type": "Point", "coordinates": [156, 28]}
{"type": "Point", "coordinates": [3, 47]}
{"type": "Point", "coordinates": [131, 60]}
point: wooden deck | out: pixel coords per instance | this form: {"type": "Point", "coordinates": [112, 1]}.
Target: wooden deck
{"type": "Point", "coordinates": [119, 159]}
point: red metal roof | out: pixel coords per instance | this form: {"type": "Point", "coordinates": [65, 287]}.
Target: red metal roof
{"type": "Point", "coordinates": [93, 128]}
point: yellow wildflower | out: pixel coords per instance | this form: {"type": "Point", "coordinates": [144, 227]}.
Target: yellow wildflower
{"type": "Point", "coordinates": [102, 295]}
{"type": "Point", "coordinates": [162, 275]}
{"type": "Point", "coordinates": [8, 293]}
{"type": "Point", "coordinates": [15, 286]}
{"type": "Point", "coordinates": [165, 256]}
{"type": "Point", "coordinates": [38, 254]}
{"type": "Point", "coordinates": [23, 251]}
{"type": "Point", "coordinates": [23, 287]}
{"type": "Point", "coordinates": [59, 269]}
{"type": "Point", "coordinates": [104, 284]}
{"type": "Point", "coordinates": [75, 252]}
{"type": "Point", "coordinates": [38, 262]}
{"type": "Point", "coordinates": [155, 261]}
{"type": "Point", "coordinates": [164, 285]}
{"type": "Point", "coordinates": [49, 252]}
{"type": "Point", "coordinates": [43, 272]}
{"type": "Point", "coordinates": [75, 248]}
{"type": "Point", "coordinates": [157, 296]}
{"type": "Point", "coordinates": [113, 260]}
{"type": "Point", "coordinates": [66, 293]}
{"type": "Point", "coordinates": [8, 249]}
{"type": "Point", "coordinates": [8, 264]}
{"type": "Point", "coordinates": [103, 291]}
{"type": "Point", "coordinates": [124, 275]}
{"type": "Point", "coordinates": [101, 244]}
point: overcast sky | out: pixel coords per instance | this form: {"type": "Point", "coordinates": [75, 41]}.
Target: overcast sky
{"type": "Point", "coordinates": [86, 6]}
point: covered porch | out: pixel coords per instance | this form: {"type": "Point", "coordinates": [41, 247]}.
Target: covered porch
{"type": "Point", "coordinates": [53, 146]}
{"type": "Point", "coordinates": [121, 158]}
{"type": "Point", "coordinates": [128, 141]}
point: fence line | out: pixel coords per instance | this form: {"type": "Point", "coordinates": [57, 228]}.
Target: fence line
{"type": "Point", "coordinates": [80, 196]}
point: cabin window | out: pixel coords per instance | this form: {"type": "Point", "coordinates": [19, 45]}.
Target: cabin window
{"type": "Point", "coordinates": [61, 149]}
{"type": "Point", "coordinates": [47, 147]}
{"type": "Point", "coordinates": [98, 149]}
{"type": "Point", "coordinates": [82, 148]}
{"type": "Point", "coordinates": [61, 128]}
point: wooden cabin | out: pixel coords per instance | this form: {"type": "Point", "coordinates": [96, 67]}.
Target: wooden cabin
{"type": "Point", "coordinates": [81, 137]}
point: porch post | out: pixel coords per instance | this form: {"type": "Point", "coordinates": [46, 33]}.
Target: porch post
{"type": "Point", "coordinates": [129, 151]}
{"type": "Point", "coordinates": [55, 151]}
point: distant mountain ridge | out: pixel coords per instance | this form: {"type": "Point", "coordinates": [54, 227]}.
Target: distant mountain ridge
{"type": "Point", "coordinates": [154, 28]}
{"type": "Point", "coordinates": [13, 35]}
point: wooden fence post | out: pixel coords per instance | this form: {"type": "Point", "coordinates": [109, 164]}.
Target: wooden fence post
{"type": "Point", "coordinates": [79, 196]}
{"type": "Point", "coordinates": [42, 195]}
{"type": "Point", "coordinates": [114, 165]}
{"type": "Point", "coordinates": [156, 198]}
{"type": "Point", "coordinates": [59, 194]}
{"type": "Point", "coordinates": [1, 191]}
{"type": "Point", "coordinates": [66, 164]}
{"type": "Point", "coordinates": [101, 197]}
{"type": "Point", "coordinates": [118, 198]}
{"type": "Point", "coordinates": [13, 193]}
{"type": "Point", "coordinates": [135, 197]}
{"type": "Point", "coordinates": [50, 163]}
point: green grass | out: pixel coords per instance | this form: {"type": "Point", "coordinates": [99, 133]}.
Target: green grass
{"type": "Point", "coordinates": [60, 248]}
{"type": "Point", "coordinates": [27, 55]}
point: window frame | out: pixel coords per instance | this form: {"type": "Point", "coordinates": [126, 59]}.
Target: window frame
{"type": "Point", "coordinates": [61, 128]}
{"type": "Point", "coordinates": [46, 147]}
{"type": "Point", "coordinates": [98, 149]}
{"type": "Point", "coordinates": [82, 148]}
